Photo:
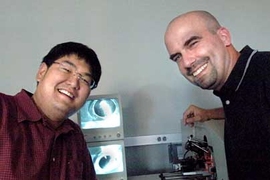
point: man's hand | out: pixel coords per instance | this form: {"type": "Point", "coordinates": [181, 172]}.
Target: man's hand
{"type": "Point", "coordinates": [194, 114]}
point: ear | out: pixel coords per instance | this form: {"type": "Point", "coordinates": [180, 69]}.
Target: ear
{"type": "Point", "coordinates": [225, 36]}
{"type": "Point", "coordinates": [41, 72]}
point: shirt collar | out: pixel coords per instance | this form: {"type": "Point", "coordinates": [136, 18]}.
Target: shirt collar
{"type": "Point", "coordinates": [27, 110]}
{"type": "Point", "coordinates": [234, 78]}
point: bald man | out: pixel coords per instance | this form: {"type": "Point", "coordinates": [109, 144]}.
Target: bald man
{"type": "Point", "coordinates": [206, 57]}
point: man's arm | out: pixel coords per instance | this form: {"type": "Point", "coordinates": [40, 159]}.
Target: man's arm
{"type": "Point", "coordinates": [196, 114]}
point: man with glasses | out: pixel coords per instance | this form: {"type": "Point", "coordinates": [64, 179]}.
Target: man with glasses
{"type": "Point", "coordinates": [37, 140]}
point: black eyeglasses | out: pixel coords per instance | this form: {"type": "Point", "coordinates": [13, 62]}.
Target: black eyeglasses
{"type": "Point", "coordinates": [71, 70]}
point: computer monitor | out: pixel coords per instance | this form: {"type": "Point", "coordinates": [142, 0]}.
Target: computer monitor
{"type": "Point", "coordinates": [101, 119]}
{"type": "Point", "coordinates": [109, 159]}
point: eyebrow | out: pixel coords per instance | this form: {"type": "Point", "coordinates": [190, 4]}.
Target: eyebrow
{"type": "Point", "coordinates": [192, 38]}
{"type": "Point", "coordinates": [73, 65]}
{"type": "Point", "coordinates": [187, 43]}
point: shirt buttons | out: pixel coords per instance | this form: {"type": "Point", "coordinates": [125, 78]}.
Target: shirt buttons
{"type": "Point", "coordinates": [227, 102]}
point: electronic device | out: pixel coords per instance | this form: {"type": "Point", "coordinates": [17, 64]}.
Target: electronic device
{"type": "Point", "coordinates": [109, 159]}
{"type": "Point", "coordinates": [198, 165]}
{"type": "Point", "coordinates": [101, 119]}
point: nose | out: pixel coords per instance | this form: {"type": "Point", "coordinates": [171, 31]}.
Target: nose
{"type": "Point", "coordinates": [187, 60]}
{"type": "Point", "coordinates": [186, 63]}
{"type": "Point", "coordinates": [73, 80]}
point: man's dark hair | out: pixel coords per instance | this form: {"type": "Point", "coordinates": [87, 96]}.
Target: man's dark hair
{"type": "Point", "coordinates": [82, 51]}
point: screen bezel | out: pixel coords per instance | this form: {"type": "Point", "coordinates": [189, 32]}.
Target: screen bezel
{"type": "Point", "coordinates": [113, 176]}
{"type": "Point", "coordinates": [103, 134]}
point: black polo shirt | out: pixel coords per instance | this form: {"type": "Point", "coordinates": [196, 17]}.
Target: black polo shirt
{"type": "Point", "coordinates": [246, 100]}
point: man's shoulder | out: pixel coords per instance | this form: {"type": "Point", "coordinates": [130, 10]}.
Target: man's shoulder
{"type": "Point", "coordinates": [261, 60]}
{"type": "Point", "coordinates": [3, 95]}
{"type": "Point", "coordinates": [6, 99]}
{"type": "Point", "coordinates": [8, 96]}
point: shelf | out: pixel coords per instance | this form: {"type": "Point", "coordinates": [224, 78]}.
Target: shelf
{"type": "Point", "coordinates": [153, 139]}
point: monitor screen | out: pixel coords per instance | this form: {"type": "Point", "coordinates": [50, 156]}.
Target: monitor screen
{"type": "Point", "coordinates": [109, 159]}
{"type": "Point", "coordinates": [101, 118]}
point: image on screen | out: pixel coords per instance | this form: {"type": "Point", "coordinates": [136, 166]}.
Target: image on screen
{"type": "Point", "coordinates": [107, 159]}
{"type": "Point", "coordinates": [100, 113]}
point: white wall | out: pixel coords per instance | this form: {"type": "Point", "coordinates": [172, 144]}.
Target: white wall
{"type": "Point", "coordinates": [128, 38]}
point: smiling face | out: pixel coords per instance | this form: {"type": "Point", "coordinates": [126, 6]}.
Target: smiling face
{"type": "Point", "coordinates": [199, 47]}
{"type": "Point", "coordinates": [60, 94]}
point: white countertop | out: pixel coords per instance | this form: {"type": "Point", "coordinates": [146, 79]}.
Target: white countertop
{"type": "Point", "coordinates": [145, 177]}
